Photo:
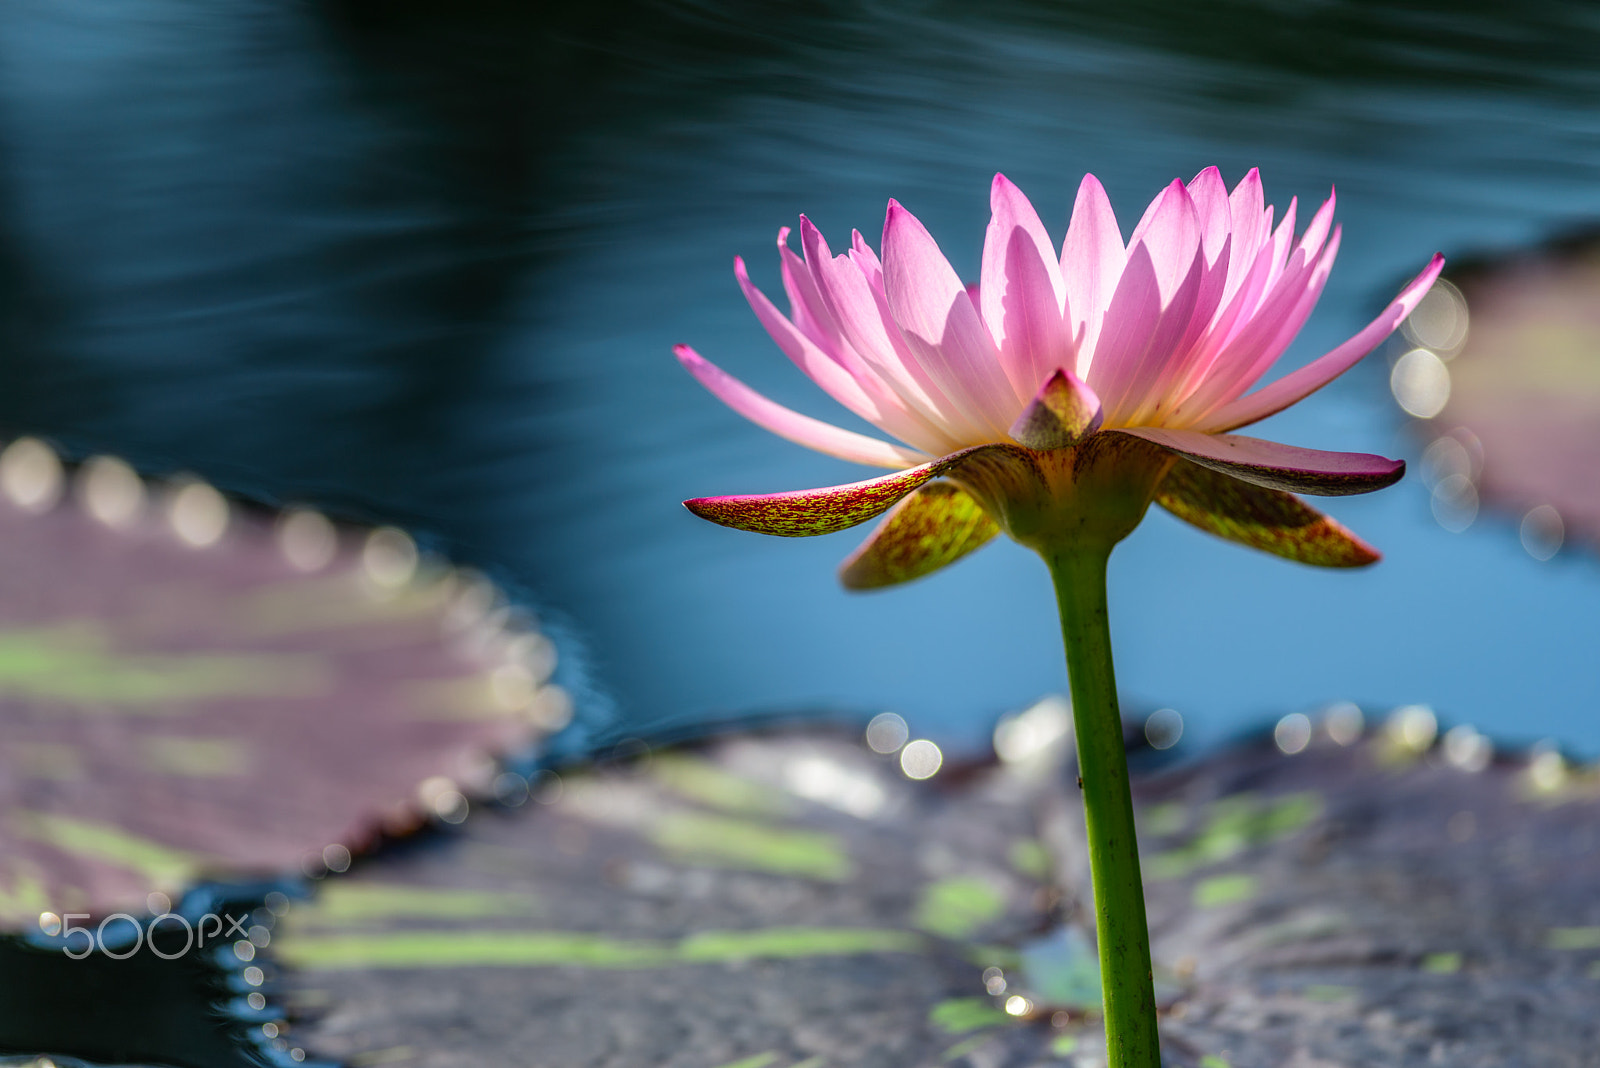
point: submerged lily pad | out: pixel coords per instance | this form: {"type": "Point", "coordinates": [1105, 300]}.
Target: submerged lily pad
{"type": "Point", "coordinates": [1401, 899]}
{"type": "Point", "coordinates": [189, 688]}
{"type": "Point", "coordinates": [1504, 373]}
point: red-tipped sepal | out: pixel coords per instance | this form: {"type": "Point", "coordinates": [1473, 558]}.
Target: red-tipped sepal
{"type": "Point", "coordinates": [1274, 465]}
{"type": "Point", "coordinates": [806, 513]}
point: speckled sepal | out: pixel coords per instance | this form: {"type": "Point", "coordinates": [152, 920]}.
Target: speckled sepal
{"type": "Point", "coordinates": [1266, 519]}
{"type": "Point", "coordinates": [933, 527]}
{"type": "Point", "coordinates": [806, 513]}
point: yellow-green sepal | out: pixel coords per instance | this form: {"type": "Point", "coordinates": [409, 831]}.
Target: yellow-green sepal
{"type": "Point", "coordinates": [930, 529]}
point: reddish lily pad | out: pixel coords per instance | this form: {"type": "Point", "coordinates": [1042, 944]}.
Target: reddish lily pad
{"type": "Point", "coordinates": [1503, 370]}
{"type": "Point", "coordinates": [190, 689]}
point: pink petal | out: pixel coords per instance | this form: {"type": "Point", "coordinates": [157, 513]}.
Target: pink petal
{"type": "Point", "coordinates": [823, 368]}
{"type": "Point", "coordinates": [1271, 343]}
{"type": "Point", "coordinates": [1259, 342]}
{"type": "Point", "coordinates": [879, 401]}
{"type": "Point", "coordinates": [940, 325]}
{"type": "Point", "coordinates": [1139, 340]}
{"type": "Point", "coordinates": [807, 310]}
{"type": "Point", "coordinates": [862, 253]}
{"type": "Point", "coordinates": [1236, 315]}
{"type": "Point", "coordinates": [1194, 346]}
{"type": "Point", "coordinates": [1255, 328]}
{"type": "Point", "coordinates": [787, 423]}
{"type": "Point", "coordinates": [1130, 319]}
{"type": "Point", "coordinates": [1022, 295]}
{"type": "Point", "coordinates": [1245, 205]}
{"type": "Point", "coordinates": [1064, 412]}
{"type": "Point", "coordinates": [1247, 290]}
{"type": "Point", "coordinates": [1092, 259]}
{"type": "Point", "coordinates": [1281, 243]}
{"type": "Point", "coordinates": [1170, 229]}
{"type": "Point", "coordinates": [1157, 394]}
{"type": "Point", "coordinates": [1317, 230]}
{"type": "Point", "coordinates": [805, 513]}
{"type": "Point", "coordinates": [1277, 466]}
{"type": "Point", "coordinates": [1140, 336]}
{"type": "Point", "coordinates": [1297, 385]}
{"type": "Point", "coordinates": [930, 529]}
{"type": "Point", "coordinates": [1265, 519]}
{"type": "Point", "coordinates": [1210, 196]}
{"type": "Point", "coordinates": [862, 312]}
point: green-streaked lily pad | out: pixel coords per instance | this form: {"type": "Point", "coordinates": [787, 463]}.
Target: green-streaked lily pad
{"type": "Point", "coordinates": [958, 907]}
{"type": "Point", "coordinates": [1338, 907]}
{"type": "Point", "coordinates": [193, 688]}
{"type": "Point", "coordinates": [1332, 902]}
{"type": "Point", "coordinates": [743, 902]}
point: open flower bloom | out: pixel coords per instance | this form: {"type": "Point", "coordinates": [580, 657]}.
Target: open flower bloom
{"type": "Point", "coordinates": [1065, 386]}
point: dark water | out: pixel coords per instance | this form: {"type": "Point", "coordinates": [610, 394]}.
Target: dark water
{"type": "Point", "coordinates": [428, 269]}
{"type": "Point", "coordinates": [175, 999]}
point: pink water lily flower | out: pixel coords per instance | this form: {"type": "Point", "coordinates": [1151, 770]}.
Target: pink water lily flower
{"type": "Point", "coordinates": [1061, 381]}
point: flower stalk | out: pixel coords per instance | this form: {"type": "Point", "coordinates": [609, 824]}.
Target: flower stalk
{"type": "Point", "coordinates": [1122, 933]}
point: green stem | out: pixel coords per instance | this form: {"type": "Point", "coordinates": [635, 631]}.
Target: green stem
{"type": "Point", "coordinates": [1130, 1005]}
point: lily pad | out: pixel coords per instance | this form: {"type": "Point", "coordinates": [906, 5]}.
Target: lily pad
{"type": "Point", "coordinates": [1503, 368]}
{"type": "Point", "coordinates": [1396, 900]}
{"type": "Point", "coordinates": [1314, 904]}
{"type": "Point", "coordinates": [647, 913]}
{"type": "Point", "coordinates": [190, 688]}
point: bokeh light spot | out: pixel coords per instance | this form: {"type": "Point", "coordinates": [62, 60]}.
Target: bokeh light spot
{"type": "Point", "coordinates": [1466, 749]}
{"type": "Point", "coordinates": [307, 539]}
{"type": "Point", "coordinates": [1163, 728]}
{"type": "Point", "coordinates": [1292, 733]}
{"type": "Point", "coordinates": [1455, 503]}
{"type": "Point", "coordinates": [1542, 532]}
{"type": "Point", "coordinates": [1420, 382]}
{"type": "Point", "coordinates": [1440, 319]}
{"type": "Point", "coordinates": [1413, 727]}
{"type": "Point", "coordinates": [389, 558]}
{"type": "Point", "coordinates": [1034, 731]}
{"type": "Point", "coordinates": [921, 759]}
{"type": "Point", "coordinates": [1344, 722]}
{"type": "Point", "coordinates": [198, 514]}
{"type": "Point", "coordinates": [110, 491]}
{"type": "Point", "coordinates": [887, 732]}
{"type": "Point", "coordinates": [30, 475]}
{"type": "Point", "coordinates": [336, 858]}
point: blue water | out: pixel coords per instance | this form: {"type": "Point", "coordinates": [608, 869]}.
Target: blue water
{"type": "Point", "coordinates": [427, 270]}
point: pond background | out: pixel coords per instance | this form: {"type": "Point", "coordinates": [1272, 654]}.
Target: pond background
{"type": "Point", "coordinates": [427, 270]}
